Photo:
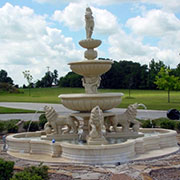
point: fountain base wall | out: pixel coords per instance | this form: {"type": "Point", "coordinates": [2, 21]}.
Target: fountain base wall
{"type": "Point", "coordinates": [93, 154]}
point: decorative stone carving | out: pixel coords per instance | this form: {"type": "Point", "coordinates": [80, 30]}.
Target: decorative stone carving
{"type": "Point", "coordinates": [47, 128]}
{"type": "Point", "coordinates": [91, 84]}
{"type": "Point", "coordinates": [91, 68]}
{"type": "Point", "coordinates": [96, 124]}
{"type": "Point", "coordinates": [56, 122]}
{"type": "Point", "coordinates": [89, 43]}
{"type": "Point", "coordinates": [89, 19]}
{"type": "Point", "coordinates": [129, 116]}
{"type": "Point", "coordinates": [86, 102]}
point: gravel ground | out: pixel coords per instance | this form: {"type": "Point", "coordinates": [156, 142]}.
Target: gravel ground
{"type": "Point", "coordinates": [162, 174]}
{"type": "Point", "coordinates": [166, 168]}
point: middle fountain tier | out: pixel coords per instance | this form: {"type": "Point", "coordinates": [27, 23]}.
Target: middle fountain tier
{"type": "Point", "coordinates": [91, 70]}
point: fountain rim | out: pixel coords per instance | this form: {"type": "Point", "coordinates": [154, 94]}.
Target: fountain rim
{"type": "Point", "coordinates": [98, 95]}
{"type": "Point", "coordinates": [91, 62]}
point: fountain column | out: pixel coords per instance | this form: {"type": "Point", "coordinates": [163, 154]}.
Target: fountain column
{"type": "Point", "coordinates": [91, 69]}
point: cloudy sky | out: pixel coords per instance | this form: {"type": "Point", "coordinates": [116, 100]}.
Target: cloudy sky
{"type": "Point", "coordinates": [36, 34]}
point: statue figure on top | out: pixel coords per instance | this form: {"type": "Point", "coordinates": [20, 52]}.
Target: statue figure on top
{"type": "Point", "coordinates": [89, 19]}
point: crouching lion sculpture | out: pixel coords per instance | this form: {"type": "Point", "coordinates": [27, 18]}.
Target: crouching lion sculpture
{"type": "Point", "coordinates": [56, 122]}
{"type": "Point", "coordinates": [125, 119]}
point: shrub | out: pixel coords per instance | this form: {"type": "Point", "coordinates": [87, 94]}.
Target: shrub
{"type": "Point", "coordinates": [25, 176]}
{"type": "Point", "coordinates": [42, 121]}
{"type": "Point", "coordinates": [12, 128]}
{"type": "Point", "coordinates": [6, 169]}
{"type": "Point", "coordinates": [178, 126]}
{"type": "Point", "coordinates": [32, 173]}
{"type": "Point", "coordinates": [41, 171]}
{"type": "Point", "coordinates": [9, 126]}
{"type": "Point", "coordinates": [148, 123]}
{"type": "Point", "coordinates": [34, 126]}
{"type": "Point", "coordinates": [168, 124]}
{"type": "Point", "coordinates": [6, 87]}
{"type": "Point", "coordinates": [1, 126]}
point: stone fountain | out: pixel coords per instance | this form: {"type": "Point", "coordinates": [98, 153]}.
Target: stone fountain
{"type": "Point", "coordinates": [92, 134]}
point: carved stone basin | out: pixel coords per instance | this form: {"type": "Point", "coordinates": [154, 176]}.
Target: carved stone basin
{"type": "Point", "coordinates": [90, 43]}
{"type": "Point", "coordinates": [91, 68]}
{"type": "Point", "coordinates": [86, 102]}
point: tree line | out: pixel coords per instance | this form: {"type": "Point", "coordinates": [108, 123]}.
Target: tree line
{"type": "Point", "coordinates": [123, 75]}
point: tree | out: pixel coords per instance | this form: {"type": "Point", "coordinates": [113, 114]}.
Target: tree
{"type": "Point", "coordinates": [4, 77]}
{"type": "Point", "coordinates": [29, 79]}
{"type": "Point", "coordinates": [55, 77]}
{"type": "Point", "coordinates": [125, 74]}
{"type": "Point", "coordinates": [166, 81]}
{"type": "Point", "coordinates": [154, 68]}
{"type": "Point", "coordinates": [48, 79]}
{"type": "Point", "coordinates": [71, 80]}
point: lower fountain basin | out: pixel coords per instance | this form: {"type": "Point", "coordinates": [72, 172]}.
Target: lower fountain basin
{"type": "Point", "coordinates": [161, 140]}
{"type": "Point", "coordinates": [86, 102]}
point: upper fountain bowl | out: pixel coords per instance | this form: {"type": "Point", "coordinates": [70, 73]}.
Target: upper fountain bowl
{"type": "Point", "coordinates": [91, 68]}
{"type": "Point", "coordinates": [90, 43]}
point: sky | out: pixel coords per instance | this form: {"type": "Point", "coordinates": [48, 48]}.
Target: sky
{"type": "Point", "coordinates": [39, 34]}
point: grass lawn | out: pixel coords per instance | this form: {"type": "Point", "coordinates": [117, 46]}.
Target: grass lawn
{"type": "Point", "coordinates": [153, 99]}
{"type": "Point", "coordinates": [4, 110]}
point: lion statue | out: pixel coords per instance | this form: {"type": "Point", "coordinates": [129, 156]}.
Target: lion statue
{"type": "Point", "coordinates": [96, 122]}
{"type": "Point", "coordinates": [56, 122]}
{"type": "Point", "coordinates": [125, 119]}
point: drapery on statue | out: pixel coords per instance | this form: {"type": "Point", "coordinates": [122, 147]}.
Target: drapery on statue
{"type": "Point", "coordinates": [91, 84]}
{"type": "Point", "coordinates": [89, 23]}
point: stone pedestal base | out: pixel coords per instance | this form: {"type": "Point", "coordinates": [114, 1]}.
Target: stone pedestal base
{"type": "Point", "coordinates": [90, 44]}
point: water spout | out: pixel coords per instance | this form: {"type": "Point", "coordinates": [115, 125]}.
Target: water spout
{"type": "Point", "coordinates": [142, 105]}
{"type": "Point", "coordinates": [33, 119]}
{"type": "Point", "coordinates": [80, 137]}
{"type": "Point", "coordinates": [150, 120]}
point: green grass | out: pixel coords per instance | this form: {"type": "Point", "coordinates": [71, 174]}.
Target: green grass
{"type": "Point", "coordinates": [153, 99]}
{"type": "Point", "coordinates": [4, 110]}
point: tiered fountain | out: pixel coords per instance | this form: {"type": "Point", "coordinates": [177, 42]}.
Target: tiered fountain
{"type": "Point", "coordinates": [92, 134]}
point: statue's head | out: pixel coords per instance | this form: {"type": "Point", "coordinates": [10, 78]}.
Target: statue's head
{"type": "Point", "coordinates": [88, 10]}
{"type": "Point", "coordinates": [96, 109]}
{"type": "Point", "coordinates": [47, 108]}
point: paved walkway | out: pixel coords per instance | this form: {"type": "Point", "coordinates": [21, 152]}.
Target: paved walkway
{"type": "Point", "coordinates": [142, 114]}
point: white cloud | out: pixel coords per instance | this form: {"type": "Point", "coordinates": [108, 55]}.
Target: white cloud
{"type": "Point", "coordinates": [56, 1]}
{"type": "Point", "coordinates": [73, 17]}
{"type": "Point", "coordinates": [154, 23]}
{"type": "Point", "coordinates": [105, 21]}
{"type": "Point", "coordinates": [168, 5]}
{"type": "Point", "coordinates": [126, 47]}
{"type": "Point", "coordinates": [162, 25]}
{"type": "Point", "coordinates": [26, 42]}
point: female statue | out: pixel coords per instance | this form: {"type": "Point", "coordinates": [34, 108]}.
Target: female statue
{"type": "Point", "coordinates": [89, 23]}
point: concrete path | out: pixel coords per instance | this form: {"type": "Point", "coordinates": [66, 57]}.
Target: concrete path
{"type": "Point", "coordinates": [142, 114]}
